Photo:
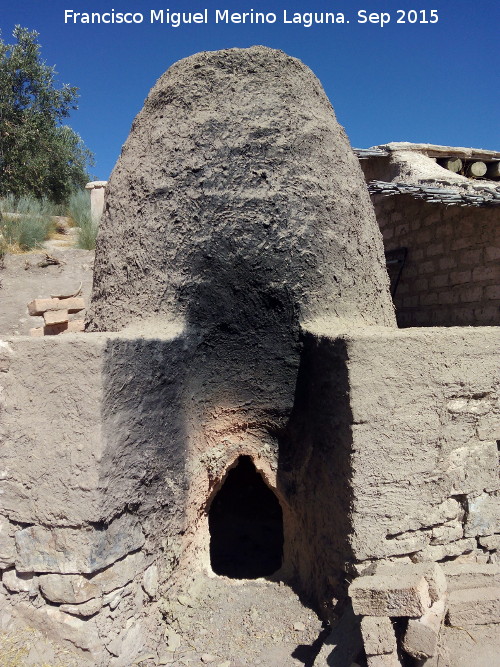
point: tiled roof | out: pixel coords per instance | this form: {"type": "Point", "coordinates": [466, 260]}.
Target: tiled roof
{"type": "Point", "coordinates": [451, 197]}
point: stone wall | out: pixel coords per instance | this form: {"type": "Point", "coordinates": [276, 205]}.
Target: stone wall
{"type": "Point", "coordinates": [452, 272]}
{"type": "Point", "coordinates": [426, 430]}
{"type": "Point", "coordinates": [75, 551]}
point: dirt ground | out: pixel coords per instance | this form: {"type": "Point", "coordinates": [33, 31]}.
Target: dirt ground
{"type": "Point", "coordinates": [219, 622]}
{"type": "Point", "coordinates": [24, 278]}
{"type": "Point", "coordinates": [238, 623]}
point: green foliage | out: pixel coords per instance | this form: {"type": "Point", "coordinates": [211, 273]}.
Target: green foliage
{"type": "Point", "coordinates": [26, 222]}
{"type": "Point", "coordinates": [38, 155]}
{"type": "Point", "coordinates": [79, 210]}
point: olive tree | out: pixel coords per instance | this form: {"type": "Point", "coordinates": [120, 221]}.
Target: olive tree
{"type": "Point", "coordinates": [39, 155]}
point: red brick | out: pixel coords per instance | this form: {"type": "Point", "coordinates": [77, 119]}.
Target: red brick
{"type": "Point", "coordinates": [435, 249]}
{"type": "Point", "coordinates": [429, 299]}
{"type": "Point", "coordinates": [410, 271]}
{"type": "Point", "coordinates": [75, 326]}
{"type": "Point", "coordinates": [424, 236]}
{"type": "Point", "coordinates": [492, 292]}
{"type": "Point", "coordinates": [486, 273]}
{"type": "Point", "coordinates": [433, 217]}
{"type": "Point", "coordinates": [411, 301]}
{"type": "Point", "coordinates": [417, 254]}
{"type": "Point", "coordinates": [471, 257]}
{"type": "Point", "coordinates": [39, 306]}
{"type": "Point", "coordinates": [55, 316]}
{"type": "Point", "coordinates": [471, 294]}
{"type": "Point", "coordinates": [427, 267]}
{"type": "Point", "coordinates": [492, 253]}
{"type": "Point", "coordinates": [402, 230]}
{"type": "Point", "coordinates": [460, 243]}
{"type": "Point", "coordinates": [488, 316]}
{"type": "Point", "coordinates": [447, 230]}
{"type": "Point", "coordinates": [441, 280]}
{"type": "Point", "coordinates": [448, 262]}
{"type": "Point", "coordinates": [421, 284]}
{"type": "Point", "coordinates": [448, 297]}
{"type": "Point", "coordinates": [460, 277]}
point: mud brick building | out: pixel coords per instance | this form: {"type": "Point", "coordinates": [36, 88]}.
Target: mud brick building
{"type": "Point", "coordinates": [441, 232]}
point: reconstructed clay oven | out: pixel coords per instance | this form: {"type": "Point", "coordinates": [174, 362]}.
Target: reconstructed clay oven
{"type": "Point", "coordinates": [254, 222]}
{"type": "Point", "coordinates": [241, 402]}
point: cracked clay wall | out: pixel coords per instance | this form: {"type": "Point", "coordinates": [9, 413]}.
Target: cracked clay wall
{"type": "Point", "coordinates": [237, 211]}
{"type": "Point", "coordinates": [426, 430]}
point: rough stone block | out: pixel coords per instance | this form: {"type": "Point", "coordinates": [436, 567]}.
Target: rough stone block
{"type": "Point", "coordinates": [422, 634]}
{"type": "Point", "coordinates": [74, 326]}
{"type": "Point", "coordinates": [17, 582]}
{"type": "Point", "coordinates": [150, 581]}
{"type": "Point", "coordinates": [490, 542]}
{"type": "Point", "coordinates": [119, 574]}
{"type": "Point", "coordinates": [488, 428]}
{"type": "Point", "coordinates": [483, 517]}
{"type": "Point", "coordinates": [68, 588]}
{"type": "Point", "coordinates": [55, 317]}
{"type": "Point", "coordinates": [461, 576]}
{"type": "Point", "coordinates": [76, 551]}
{"type": "Point", "coordinates": [390, 595]}
{"type": "Point", "coordinates": [432, 572]}
{"type": "Point", "coordinates": [7, 544]}
{"type": "Point", "coordinates": [441, 551]}
{"type": "Point", "coordinates": [55, 623]}
{"type": "Point", "coordinates": [378, 635]}
{"type": "Point", "coordinates": [472, 469]}
{"type": "Point", "coordinates": [86, 609]}
{"type": "Point", "coordinates": [474, 606]}
{"type": "Point", "coordinates": [448, 532]}
{"type": "Point", "coordinates": [72, 305]}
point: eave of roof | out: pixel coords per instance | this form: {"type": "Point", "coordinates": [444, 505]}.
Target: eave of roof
{"type": "Point", "coordinates": [487, 197]}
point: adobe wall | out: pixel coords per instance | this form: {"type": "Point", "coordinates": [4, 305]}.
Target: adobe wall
{"type": "Point", "coordinates": [426, 432]}
{"type": "Point", "coordinates": [389, 451]}
{"type": "Point", "coordinates": [452, 273]}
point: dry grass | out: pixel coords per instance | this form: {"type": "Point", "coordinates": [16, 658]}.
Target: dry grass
{"type": "Point", "coordinates": [15, 647]}
{"type": "Point", "coordinates": [79, 210]}
{"type": "Point", "coordinates": [25, 222]}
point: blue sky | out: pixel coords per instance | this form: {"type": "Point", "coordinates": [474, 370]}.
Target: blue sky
{"type": "Point", "coordinates": [422, 82]}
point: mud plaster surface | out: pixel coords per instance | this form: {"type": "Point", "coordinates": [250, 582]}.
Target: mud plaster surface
{"type": "Point", "coordinates": [238, 205]}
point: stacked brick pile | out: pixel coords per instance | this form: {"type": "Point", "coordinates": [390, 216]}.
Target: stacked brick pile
{"type": "Point", "coordinates": [403, 608]}
{"type": "Point", "coordinates": [414, 592]}
{"type": "Point", "coordinates": [55, 312]}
